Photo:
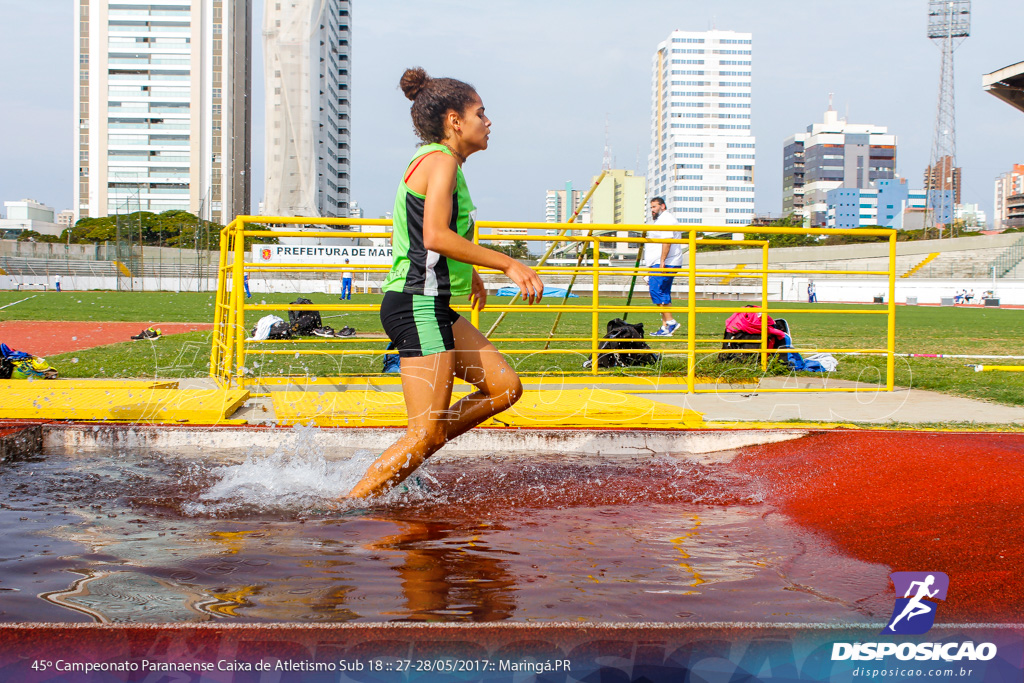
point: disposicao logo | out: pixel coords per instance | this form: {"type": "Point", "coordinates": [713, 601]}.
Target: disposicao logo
{"type": "Point", "coordinates": [913, 614]}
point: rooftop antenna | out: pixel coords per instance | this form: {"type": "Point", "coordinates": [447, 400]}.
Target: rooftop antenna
{"type": "Point", "coordinates": [830, 101]}
{"type": "Point", "coordinates": [949, 24]}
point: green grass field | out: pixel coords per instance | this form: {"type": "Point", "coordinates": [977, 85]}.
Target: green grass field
{"type": "Point", "coordinates": [923, 329]}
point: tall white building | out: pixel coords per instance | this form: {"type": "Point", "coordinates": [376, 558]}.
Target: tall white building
{"type": "Point", "coordinates": [702, 151]}
{"type": "Point", "coordinates": [306, 53]}
{"type": "Point", "coordinates": [162, 111]}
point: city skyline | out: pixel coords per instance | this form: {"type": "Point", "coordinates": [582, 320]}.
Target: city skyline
{"type": "Point", "coordinates": [550, 85]}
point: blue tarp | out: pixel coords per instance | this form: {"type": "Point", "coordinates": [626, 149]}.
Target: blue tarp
{"type": "Point", "coordinates": [548, 291]}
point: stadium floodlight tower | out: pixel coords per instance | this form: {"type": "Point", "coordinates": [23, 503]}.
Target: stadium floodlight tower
{"type": "Point", "coordinates": [949, 23]}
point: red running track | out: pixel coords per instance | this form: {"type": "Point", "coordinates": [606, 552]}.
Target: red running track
{"type": "Point", "coordinates": [45, 338]}
{"type": "Point", "coordinates": [913, 501]}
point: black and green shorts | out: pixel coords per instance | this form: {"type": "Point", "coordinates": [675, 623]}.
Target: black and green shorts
{"type": "Point", "coordinates": [418, 325]}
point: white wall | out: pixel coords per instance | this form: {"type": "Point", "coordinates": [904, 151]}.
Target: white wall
{"type": "Point", "coordinates": [791, 288]}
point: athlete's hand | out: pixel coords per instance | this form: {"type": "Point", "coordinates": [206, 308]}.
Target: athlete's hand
{"type": "Point", "coordinates": [478, 295]}
{"type": "Point", "coordinates": [528, 281]}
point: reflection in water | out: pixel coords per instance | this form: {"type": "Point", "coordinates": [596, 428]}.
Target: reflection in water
{"type": "Point", "coordinates": [130, 597]}
{"type": "Point", "coordinates": [443, 578]}
{"type": "Point", "coordinates": [490, 539]}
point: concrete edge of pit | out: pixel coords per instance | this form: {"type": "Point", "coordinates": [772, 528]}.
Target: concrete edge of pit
{"type": "Point", "coordinates": [191, 439]}
{"type": "Point", "coordinates": [18, 440]}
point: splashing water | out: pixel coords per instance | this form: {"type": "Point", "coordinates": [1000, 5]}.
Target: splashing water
{"type": "Point", "coordinates": [298, 477]}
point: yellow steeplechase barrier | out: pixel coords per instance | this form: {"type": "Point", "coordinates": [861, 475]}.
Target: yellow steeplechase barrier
{"type": "Point", "coordinates": [48, 384]}
{"type": "Point", "coordinates": [593, 407]}
{"type": "Point", "coordinates": [236, 360]}
{"type": "Point", "coordinates": [121, 402]}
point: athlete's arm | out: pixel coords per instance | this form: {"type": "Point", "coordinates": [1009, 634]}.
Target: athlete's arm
{"type": "Point", "coordinates": [439, 171]}
{"type": "Point", "coordinates": [478, 295]}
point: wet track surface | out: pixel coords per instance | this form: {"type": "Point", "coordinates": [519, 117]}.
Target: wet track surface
{"type": "Point", "coordinates": [802, 531]}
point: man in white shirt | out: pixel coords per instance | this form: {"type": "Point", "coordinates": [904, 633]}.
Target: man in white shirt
{"type": "Point", "coordinates": [346, 283]}
{"type": "Point", "coordinates": [663, 255]}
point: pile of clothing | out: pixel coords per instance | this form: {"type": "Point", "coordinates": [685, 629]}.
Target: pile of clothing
{"type": "Point", "coordinates": [743, 331]}
{"type": "Point", "coordinates": [300, 323]}
{"type": "Point", "coordinates": [21, 365]}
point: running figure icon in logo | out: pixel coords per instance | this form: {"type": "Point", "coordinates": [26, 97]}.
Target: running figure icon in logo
{"type": "Point", "coordinates": [912, 615]}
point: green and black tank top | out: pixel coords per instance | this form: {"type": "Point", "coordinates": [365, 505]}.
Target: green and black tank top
{"type": "Point", "coordinates": [415, 269]}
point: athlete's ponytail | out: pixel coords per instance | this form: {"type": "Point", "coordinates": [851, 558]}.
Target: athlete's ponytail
{"type": "Point", "coordinates": [432, 98]}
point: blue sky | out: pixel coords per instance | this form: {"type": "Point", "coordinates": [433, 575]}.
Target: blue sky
{"type": "Point", "coordinates": [551, 72]}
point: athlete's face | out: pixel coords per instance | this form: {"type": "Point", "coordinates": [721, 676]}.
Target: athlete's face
{"type": "Point", "coordinates": [475, 126]}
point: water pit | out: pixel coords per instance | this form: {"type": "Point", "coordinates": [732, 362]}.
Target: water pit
{"type": "Point", "coordinates": [758, 533]}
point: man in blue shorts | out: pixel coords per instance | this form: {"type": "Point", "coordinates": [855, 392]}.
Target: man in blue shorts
{"type": "Point", "coordinates": [663, 255]}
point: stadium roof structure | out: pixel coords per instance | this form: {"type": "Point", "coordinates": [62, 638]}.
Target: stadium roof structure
{"type": "Point", "coordinates": [1007, 84]}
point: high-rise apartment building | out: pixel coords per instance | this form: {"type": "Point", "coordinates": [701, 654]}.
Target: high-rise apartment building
{"type": "Point", "coordinates": [162, 110]}
{"type": "Point", "coordinates": [830, 155]}
{"type": "Point", "coordinates": [559, 207]}
{"type": "Point", "coordinates": [702, 158]}
{"type": "Point", "coordinates": [306, 59]}
{"type": "Point", "coordinates": [560, 204]}
{"type": "Point", "coordinates": [1009, 195]}
{"type": "Point", "coordinates": [944, 176]}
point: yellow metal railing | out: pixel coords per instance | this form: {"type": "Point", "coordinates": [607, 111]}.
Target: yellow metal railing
{"type": "Point", "coordinates": [230, 348]}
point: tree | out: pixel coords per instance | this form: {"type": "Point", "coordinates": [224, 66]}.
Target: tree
{"type": "Point", "coordinates": [517, 250]}
{"type": "Point", "coordinates": [33, 236]}
{"type": "Point", "coordinates": [170, 228]}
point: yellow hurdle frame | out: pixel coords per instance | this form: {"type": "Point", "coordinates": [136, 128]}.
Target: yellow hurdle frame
{"type": "Point", "coordinates": [229, 351]}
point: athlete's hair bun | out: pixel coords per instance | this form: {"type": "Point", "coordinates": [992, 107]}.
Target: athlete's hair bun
{"type": "Point", "coordinates": [413, 81]}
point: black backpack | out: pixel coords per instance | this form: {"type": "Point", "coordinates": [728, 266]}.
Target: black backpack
{"type": "Point", "coordinates": [622, 337]}
{"type": "Point", "coordinates": [281, 330]}
{"type": "Point", "coordinates": [303, 322]}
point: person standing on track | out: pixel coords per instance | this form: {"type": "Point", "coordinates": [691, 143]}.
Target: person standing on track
{"type": "Point", "coordinates": [433, 261]}
{"type": "Point", "coordinates": [663, 255]}
{"type": "Point", "coordinates": [346, 283]}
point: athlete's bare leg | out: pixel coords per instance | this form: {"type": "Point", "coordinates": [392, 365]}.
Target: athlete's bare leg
{"type": "Point", "coordinates": [480, 364]}
{"type": "Point", "coordinates": [427, 387]}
